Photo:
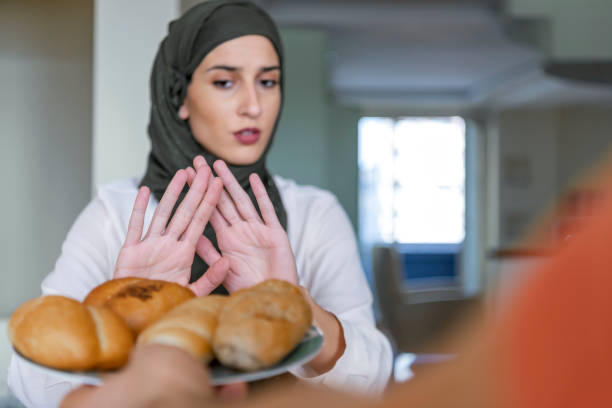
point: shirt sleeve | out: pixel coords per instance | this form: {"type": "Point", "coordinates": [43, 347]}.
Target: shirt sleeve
{"type": "Point", "coordinates": [331, 271]}
{"type": "Point", "coordinates": [86, 260]}
{"type": "Point", "coordinates": [88, 254]}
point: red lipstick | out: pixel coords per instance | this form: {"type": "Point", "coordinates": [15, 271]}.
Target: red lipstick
{"type": "Point", "coordinates": [247, 136]}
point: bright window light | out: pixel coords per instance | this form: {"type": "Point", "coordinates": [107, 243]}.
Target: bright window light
{"type": "Point", "coordinates": [412, 180]}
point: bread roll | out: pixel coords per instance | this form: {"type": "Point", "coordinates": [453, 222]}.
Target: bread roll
{"type": "Point", "coordinates": [260, 325]}
{"type": "Point", "coordinates": [62, 333]}
{"type": "Point", "coordinates": [190, 326]}
{"type": "Point", "coordinates": [101, 293]}
{"type": "Point", "coordinates": [138, 301]}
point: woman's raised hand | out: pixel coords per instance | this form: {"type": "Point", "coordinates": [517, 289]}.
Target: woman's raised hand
{"type": "Point", "coordinates": [256, 249]}
{"type": "Point", "coordinates": [166, 251]}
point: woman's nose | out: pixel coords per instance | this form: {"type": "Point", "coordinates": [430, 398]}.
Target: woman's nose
{"type": "Point", "coordinates": [250, 104]}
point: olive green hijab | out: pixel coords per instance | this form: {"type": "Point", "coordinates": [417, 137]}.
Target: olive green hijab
{"type": "Point", "coordinates": [190, 38]}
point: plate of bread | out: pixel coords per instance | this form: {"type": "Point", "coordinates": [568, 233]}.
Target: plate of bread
{"type": "Point", "coordinates": [252, 334]}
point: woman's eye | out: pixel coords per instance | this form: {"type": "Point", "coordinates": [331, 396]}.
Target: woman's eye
{"type": "Point", "coordinates": [223, 83]}
{"type": "Point", "coordinates": [268, 83]}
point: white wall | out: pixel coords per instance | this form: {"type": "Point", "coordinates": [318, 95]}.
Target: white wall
{"type": "Point", "coordinates": [49, 163]}
{"type": "Point", "coordinates": [45, 128]}
{"type": "Point", "coordinates": [302, 142]}
{"type": "Point", "coordinates": [527, 169]}
{"type": "Point", "coordinates": [585, 135]}
{"type": "Point", "coordinates": [559, 146]}
{"type": "Point", "coordinates": [565, 143]}
{"type": "Point", "coordinates": [476, 210]}
{"type": "Point", "coordinates": [579, 29]}
{"type": "Point", "coordinates": [126, 38]}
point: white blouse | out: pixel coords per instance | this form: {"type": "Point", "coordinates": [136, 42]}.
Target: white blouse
{"type": "Point", "coordinates": [327, 260]}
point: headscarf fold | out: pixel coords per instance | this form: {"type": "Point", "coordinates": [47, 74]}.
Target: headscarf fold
{"type": "Point", "coordinates": [190, 38]}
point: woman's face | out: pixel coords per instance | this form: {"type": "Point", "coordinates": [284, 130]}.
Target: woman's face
{"type": "Point", "coordinates": [234, 98]}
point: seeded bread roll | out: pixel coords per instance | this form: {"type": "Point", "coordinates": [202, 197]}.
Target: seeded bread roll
{"type": "Point", "coordinates": [190, 326]}
{"type": "Point", "coordinates": [62, 333]}
{"type": "Point", "coordinates": [260, 325]}
{"type": "Point", "coordinates": [138, 301]}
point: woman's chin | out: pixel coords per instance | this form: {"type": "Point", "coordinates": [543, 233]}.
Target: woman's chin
{"type": "Point", "coordinates": [241, 159]}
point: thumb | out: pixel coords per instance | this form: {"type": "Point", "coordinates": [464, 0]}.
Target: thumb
{"type": "Point", "coordinates": [213, 277]}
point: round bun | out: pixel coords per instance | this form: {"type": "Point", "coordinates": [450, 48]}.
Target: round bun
{"type": "Point", "coordinates": [260, 325]}
{"type": "Point", "coordinates": [62, 333]}
{"type": "Point", "coordinates": [251, 329]}
{"type": "Point", "coordinates": [190, 326]}
{"type": "Point", "coordinates": [138, 301]}
{"type": "Point", "coordinates": [101, 293]}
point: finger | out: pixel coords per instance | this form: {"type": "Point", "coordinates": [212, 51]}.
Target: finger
{"type": "Point", "coordinates": [199, 161]}
{"type": "Point", "coordinates": [218, 222]}
{"type": "Point", "coordinates": [203, 212]}
{"type": "Point", "coordinates": [263, 201]}
{"type": "Point", "coordinates": [191, 173]}
{"type": "Point", "coordinates": [184, 213]}
{"type": "Point", "coordinates": [213, 277]}
{"type": "Point", "coordinates": [228, 209]}
{"type": "Point", "coordinates": [166, 204]}
{"type": "Point", "coordinates": [239, 196]}
{"type": "Point", "coordinates": [207, 251]}
{"type": "Point", "coordinates": [136, 223]}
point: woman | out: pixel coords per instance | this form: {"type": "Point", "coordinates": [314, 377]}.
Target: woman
{"type": "Point", "coordinates": [217, 92]}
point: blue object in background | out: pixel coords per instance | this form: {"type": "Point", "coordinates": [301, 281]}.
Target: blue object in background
{"type": "Point", "coordinates": [429, 261]}
{"type": "Point", "coordinates": [419, 266]}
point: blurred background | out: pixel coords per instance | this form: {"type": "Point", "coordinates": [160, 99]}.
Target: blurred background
{"type": "Point", "coordinates": [445, 128]}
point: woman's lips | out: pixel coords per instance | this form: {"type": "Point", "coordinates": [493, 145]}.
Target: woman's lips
{"type": "Point", "coordinates": [247, 136]}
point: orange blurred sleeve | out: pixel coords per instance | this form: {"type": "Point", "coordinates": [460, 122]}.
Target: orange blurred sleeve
{"type": "Point", "coordinates": [553, 346]}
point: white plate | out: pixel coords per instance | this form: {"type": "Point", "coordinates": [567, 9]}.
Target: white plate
{"type": "Point", "coordinates": [303, 352]}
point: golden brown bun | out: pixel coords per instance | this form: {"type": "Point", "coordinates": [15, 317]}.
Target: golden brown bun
{"type": "Point", "coordinates": [115, 339]}
{"type": "Point", "coordinates": [101, 293]}
{"type": "Point", "coordinates": [62, 333]}
{"type": "Point", "coordinates": [138, 301]}
{"type": "Point", "coordinates": [190, 326]}
{"type": "Point", "coordinates": [260, 325]}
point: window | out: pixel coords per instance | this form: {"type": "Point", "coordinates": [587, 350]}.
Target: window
{"type": "Point", "coordinates": [412, 185]}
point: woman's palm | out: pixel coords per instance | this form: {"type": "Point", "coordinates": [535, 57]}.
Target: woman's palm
{"type": "Point", "coordinates": [160, 257]}
{"type": "Point", "coordinates": [257, 248]}
{"type": "Point", "coordinates": [255, 252]}
{"type": "Point", "coordinates": [167, 250]}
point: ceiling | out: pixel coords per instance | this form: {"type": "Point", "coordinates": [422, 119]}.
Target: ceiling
{"type": "Point", "coordinates": [431, 55]}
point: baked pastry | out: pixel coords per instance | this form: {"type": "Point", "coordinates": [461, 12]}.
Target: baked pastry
{"type": "Point", "coordinates": [260, 325]}
{"type": "Point", "coordinates": [251, 329]}
{"type": "Point", "coordinates": [190, 326]}
{"type": "Point", "coordinates": [62, 333]}
{"type": "Point", "coordinates": [138, 301]}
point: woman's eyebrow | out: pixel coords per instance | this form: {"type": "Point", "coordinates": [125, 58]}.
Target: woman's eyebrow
{"type": "Point", "coordinates": [223, 67]}
{"type": "Point", "coordinates": [272, 68]}
{"type": "Point", "coordinates": [233, 69]}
